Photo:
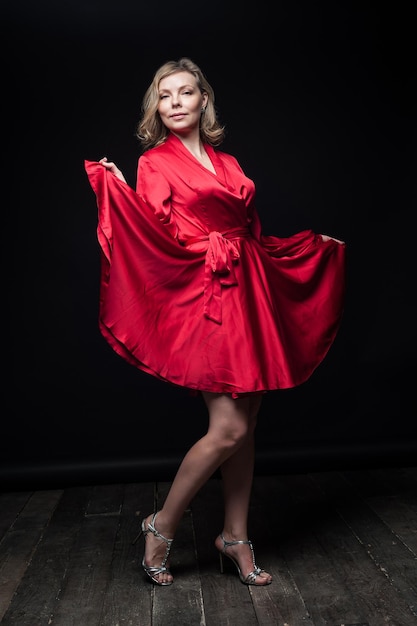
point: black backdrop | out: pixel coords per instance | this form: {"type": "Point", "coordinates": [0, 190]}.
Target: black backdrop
{"type": "Point", "coordinates": [317, 102]}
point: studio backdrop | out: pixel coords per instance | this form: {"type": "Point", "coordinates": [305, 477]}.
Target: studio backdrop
{"type": "Point", "coordinates": [316, 102]}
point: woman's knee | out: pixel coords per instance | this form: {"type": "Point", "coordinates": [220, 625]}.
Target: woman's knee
{"type": "Point", "coordinates": [232, 431]}
{"type": "Point", "coordinates": [230, 439]}
{"type": "Point", "coordinates": [232, 421]}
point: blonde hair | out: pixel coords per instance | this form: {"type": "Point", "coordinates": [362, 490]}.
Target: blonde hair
{"type": "Point", "coordinates": [151, 131]}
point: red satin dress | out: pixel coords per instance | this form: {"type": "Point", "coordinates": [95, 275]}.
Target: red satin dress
{"type": "Point", "coordinates": [193, 293]}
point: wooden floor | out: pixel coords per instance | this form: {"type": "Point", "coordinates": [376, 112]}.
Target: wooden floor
{"type": "Point", "coordinates": [342, 547]}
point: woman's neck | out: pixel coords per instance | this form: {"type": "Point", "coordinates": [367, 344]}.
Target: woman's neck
{"type": "Point", "coordinates": [195, 146]}
{"type": "Point", "coordinates": [193, 143]}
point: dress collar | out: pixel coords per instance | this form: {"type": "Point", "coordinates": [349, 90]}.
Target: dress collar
{"type": "Point", "coordinates": [173, 142]}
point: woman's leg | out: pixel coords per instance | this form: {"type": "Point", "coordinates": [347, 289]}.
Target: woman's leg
{"type": "Point", "coordinates": [229, 425]}
{"type": "Point", "coordinates": [237, 475]}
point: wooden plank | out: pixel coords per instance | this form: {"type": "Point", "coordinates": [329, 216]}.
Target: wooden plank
{"type": "Point", "coordinates": [226, 600]}
{"type": "Point", "coordinates": [392, 494]}
{"type": "Point", "coordinates": [128, 599]}
{"type": "Point", "coordinates": [318, 577]}
{"type": "Point", "coordinates": [179, 604]}
{"type": "Point", "coordinates": [19, 545]}
{"type": "Point", "coordinates": [326, 538]}
{"type": "Point", "coordinates": [392, 595]}
{"type": "Point", "coordinates": [87, 575]}
{"type": "Point", "coordinates": [11, 504]}
{"type": "Point", "coordinates": [38, 592]}
{"type": "Point", "coordinates": [281, 602]}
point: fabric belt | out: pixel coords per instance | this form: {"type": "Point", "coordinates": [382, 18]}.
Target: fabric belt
{"type": "Point", "coordinates": [219, 269]}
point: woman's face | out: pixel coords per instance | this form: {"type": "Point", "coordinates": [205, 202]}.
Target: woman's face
{"type": "Point", "coordinates": [180, 103]}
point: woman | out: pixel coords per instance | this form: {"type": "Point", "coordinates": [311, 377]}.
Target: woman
{"type": "Point", "coordinates": [194, 294]}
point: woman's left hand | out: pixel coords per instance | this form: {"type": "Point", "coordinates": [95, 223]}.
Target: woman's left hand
{"type": "Point", "coordinates": [327, 238]}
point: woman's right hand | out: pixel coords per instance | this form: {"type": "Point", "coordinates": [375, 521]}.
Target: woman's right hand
{"type": "Point", "coordinates": [112, 167]}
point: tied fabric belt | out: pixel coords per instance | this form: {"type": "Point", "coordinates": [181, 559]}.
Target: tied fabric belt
{"type": "Point", "coordinates": [219, 270]}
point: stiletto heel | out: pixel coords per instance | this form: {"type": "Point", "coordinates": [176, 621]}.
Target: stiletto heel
{"type": "Point", "coordinates": [151, 570]}
{"type": "Point", "coordinates": [250, 579]}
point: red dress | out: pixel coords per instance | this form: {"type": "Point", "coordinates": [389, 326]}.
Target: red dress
{"type": "Point", "coordinates": [194, 294]}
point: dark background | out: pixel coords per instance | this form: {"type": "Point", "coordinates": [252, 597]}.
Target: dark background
{"type": "Point", "coordinates": [317, 101]}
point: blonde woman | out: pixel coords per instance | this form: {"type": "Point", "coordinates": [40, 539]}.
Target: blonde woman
{"type": "Point", "coordinates": [194, 294]}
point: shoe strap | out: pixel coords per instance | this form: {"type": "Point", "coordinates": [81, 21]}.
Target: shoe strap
{"type": "Point", "coordinates": [256, 571]}
{"type": "Point", "coordinates": [226, 543]}
{"type": "Point", "coordinates": [151, 528]}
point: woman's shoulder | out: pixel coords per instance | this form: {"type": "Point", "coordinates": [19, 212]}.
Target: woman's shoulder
{"type": "Point", "coordinates": [155, 151]}
{"type": "Point", "coordinates": [153, 157]}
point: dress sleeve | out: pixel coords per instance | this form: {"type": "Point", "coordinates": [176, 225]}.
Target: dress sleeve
{"type": "Point", "coordinates": [154, 189]}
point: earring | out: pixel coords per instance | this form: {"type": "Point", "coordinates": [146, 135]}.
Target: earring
{"type": "Point", "coordinates": [203, 109]}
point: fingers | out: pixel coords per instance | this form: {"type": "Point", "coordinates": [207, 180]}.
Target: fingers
{"type": "Point", "coordinates": [328, 238]}
{"type": "Point", "coordinates": [109, 165]}
{"type": "Point", "coordinates": [112, 167]}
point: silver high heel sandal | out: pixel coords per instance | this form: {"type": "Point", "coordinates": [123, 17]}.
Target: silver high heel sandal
{"type": "Point", "coordinates": [151, 570]}
{"type": "Point", "coordinates": [251, 577]}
